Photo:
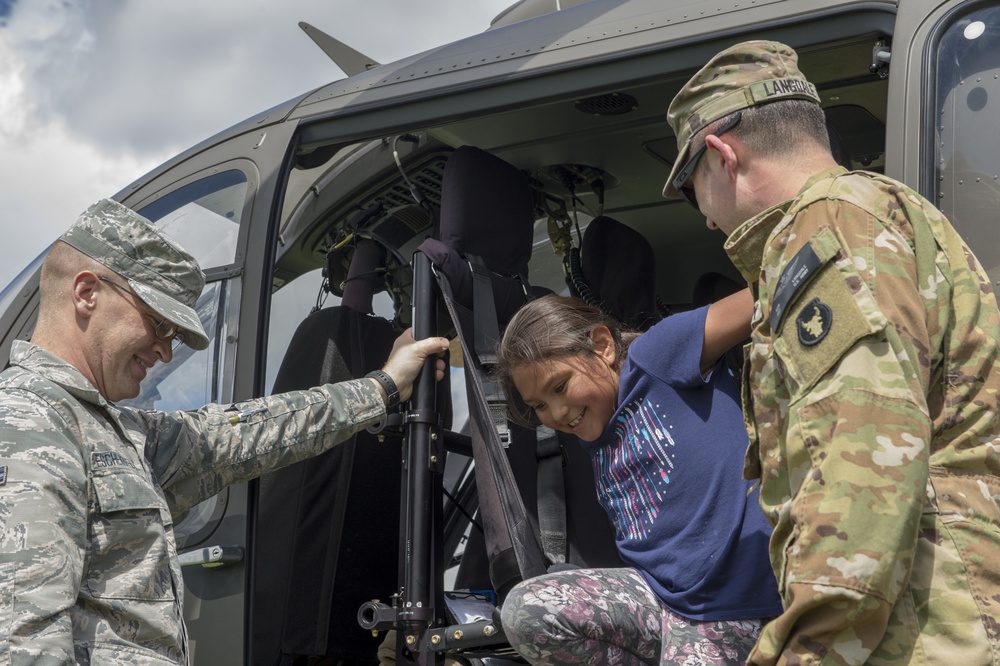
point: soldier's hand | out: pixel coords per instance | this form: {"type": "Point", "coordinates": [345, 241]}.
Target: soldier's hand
{"type": "Point", "coordinates": [407, 358]}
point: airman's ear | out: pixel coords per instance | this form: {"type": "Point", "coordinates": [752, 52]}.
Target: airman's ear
{"type": "Point", "coordinates": [604, 344]}
{"type": "Point", "coordinates": [86, 286]}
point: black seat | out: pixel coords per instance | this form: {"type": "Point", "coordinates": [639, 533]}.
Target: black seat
{"type": "Point", "coordinates": [615, 270]}
{"type": "Point", "coordinates": [326, 529]}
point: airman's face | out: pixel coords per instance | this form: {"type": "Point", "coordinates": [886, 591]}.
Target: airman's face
{"type": "Point", "coordinates": [122, 343]}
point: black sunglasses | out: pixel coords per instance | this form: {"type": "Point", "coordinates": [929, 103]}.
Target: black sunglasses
{"type": "Point", "coordinates": [684, 175]}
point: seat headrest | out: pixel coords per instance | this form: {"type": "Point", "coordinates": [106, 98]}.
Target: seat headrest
{"type": "Point", "coordinates": [838, 147]}
{"type": "Point", "coordinates": [487, 210]}
{"type": "Point", "coordinates": [620, 269]}
{"type": "Point", "coordinates": [359, 287]}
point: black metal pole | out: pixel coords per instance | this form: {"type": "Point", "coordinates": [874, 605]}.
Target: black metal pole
{"type": "Point", "coordinates": [417, 608]}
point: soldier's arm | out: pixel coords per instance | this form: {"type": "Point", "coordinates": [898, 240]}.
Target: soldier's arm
{"type": "Point", "coordinates": [43, 514]}
{"type": "Point", "coordinates": [856, 443]}
{"type": "Point", "coordinates": [726, 325]}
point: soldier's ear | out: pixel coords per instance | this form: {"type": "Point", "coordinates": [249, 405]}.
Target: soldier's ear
{"type": "Point", "coordinates": [723, 153]}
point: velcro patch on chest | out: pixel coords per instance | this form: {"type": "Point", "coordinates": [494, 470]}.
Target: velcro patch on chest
{"type": "Point", "coordinates": [104, 459]}
{"type": "Point", "coordinates": [3, 475]}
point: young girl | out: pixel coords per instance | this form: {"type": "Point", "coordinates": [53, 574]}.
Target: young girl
{"type": "Point", "coordinates": [659, 414]}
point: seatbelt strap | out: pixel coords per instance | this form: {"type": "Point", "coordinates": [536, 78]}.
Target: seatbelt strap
{"type": "Point", "coordinates": [486, 335]}
{"type": "Point", "coordinates": [551, 486]}
{"type": "Point", "coordinates": [486, 330]}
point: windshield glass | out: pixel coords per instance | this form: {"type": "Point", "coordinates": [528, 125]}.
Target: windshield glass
{"type": "Point", "coordinates": [204, 216]}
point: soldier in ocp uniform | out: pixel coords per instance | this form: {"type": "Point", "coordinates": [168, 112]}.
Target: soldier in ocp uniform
{"type": "Point", "coordinates": [871, 395]}
{"type": "Point", "coordinates": [89, 490]}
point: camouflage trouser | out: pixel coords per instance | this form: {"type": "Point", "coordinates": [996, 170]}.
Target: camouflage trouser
{"type": "Point", "coordinates": [611, 616]}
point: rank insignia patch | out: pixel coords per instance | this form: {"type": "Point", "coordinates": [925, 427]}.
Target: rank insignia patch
{"type": "Point", "coordinates": [3, 474]}
{"type": "Point", "coordinates": [814, 322]}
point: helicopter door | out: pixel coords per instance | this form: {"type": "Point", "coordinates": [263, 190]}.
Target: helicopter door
{"type": "Point", "coordinates": [205, 214]}
{"type": "Point", "coordinates": [217, 205]}
{"type": "Point", "coordinates": [945, 88]}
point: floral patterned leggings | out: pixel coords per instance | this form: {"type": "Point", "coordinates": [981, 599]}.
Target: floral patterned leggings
{"type": "Point", "coordinates": [611, 617]}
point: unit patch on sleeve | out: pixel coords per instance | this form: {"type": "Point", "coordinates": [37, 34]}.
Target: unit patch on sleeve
{"type": "Point", "coordinates": [814, 322]}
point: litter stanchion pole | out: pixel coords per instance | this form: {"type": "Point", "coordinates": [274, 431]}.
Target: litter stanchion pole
{"type": "Point", "coordinates": [422, 468]}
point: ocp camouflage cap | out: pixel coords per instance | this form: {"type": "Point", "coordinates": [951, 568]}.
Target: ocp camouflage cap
{"type": "Point", "coordinates": [157, 269]}
{"type": "Point", "coordinates": [744, 75]}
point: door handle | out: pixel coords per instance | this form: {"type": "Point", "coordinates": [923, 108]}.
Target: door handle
{"type": "Point", "coordinates": [212, 556]}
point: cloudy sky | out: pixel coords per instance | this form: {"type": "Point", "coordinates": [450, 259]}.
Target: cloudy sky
{"type": "Point", "coordinates": [95, 93]}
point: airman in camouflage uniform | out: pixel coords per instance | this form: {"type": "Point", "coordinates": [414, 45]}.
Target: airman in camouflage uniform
{"type": "Point", "coordinates": [89, 571]}
{"type": "Point", "coordinates": [872, 387]}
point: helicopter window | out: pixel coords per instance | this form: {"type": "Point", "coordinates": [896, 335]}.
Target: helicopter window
{"type": "Point", "coordinates": [966, 185]}
{"type": "Point", "coordinates": [204, 216]}
{"type": "Point", "coordinates": [191, 380]}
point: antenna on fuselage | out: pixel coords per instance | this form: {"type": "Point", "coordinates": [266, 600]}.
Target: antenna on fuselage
{"type": "Point", "coordinates": [351, 61]}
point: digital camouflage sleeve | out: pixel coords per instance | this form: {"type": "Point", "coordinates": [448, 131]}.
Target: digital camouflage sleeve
{"type": "Point", "coordinates": [872, 406]}
{"type": "Point", "coordinates": [89, 571]}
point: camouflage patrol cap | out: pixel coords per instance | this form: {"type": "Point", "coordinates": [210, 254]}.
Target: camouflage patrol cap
{"type": "Point", "coordinates": [157, 269]}
{"type": "Point", "coordinates": [744, 75]}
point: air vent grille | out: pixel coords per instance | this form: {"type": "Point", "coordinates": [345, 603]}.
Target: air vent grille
{"type": "Point", "coordinates": [611, 104]}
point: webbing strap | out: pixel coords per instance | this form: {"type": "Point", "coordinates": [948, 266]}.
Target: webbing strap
{"type": "Point", "coordinates": [486, 334]}
{"type": "Point", "coordinates": [486, 330]}
{"type": "Point", "coordinates": [505, 520]}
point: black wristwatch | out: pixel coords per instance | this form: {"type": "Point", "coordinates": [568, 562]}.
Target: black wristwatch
{"type": "Point", "coordinates": [391, 390]}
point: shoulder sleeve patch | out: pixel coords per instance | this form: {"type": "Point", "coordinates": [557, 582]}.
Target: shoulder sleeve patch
{"type": "Point", "coordinates": [826, 319]}
{"type": "Point", "coordinates": [814, 322]}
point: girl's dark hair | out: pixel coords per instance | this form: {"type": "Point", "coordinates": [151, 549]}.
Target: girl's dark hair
{"type": "Point", "coordinates": [547, 328]}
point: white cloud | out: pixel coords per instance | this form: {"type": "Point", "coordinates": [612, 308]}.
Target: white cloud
{"type": "Point", "coordinates": [94, 94]}
{"type": "Point", "coordinates": [47, 181]}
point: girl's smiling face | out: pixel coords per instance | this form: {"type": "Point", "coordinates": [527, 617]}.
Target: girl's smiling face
{"type": "Point", "coordinates": [575, 394]}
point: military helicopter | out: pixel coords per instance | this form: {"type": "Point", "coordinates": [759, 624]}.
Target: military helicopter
{"type": "Point", "coordinates": [436, 192]}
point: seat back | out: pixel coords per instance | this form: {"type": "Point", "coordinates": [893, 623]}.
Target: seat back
{"type": "Point", "coordinates": [327, 529]}
{"type": "Point", "coordinates": [615, 270]}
